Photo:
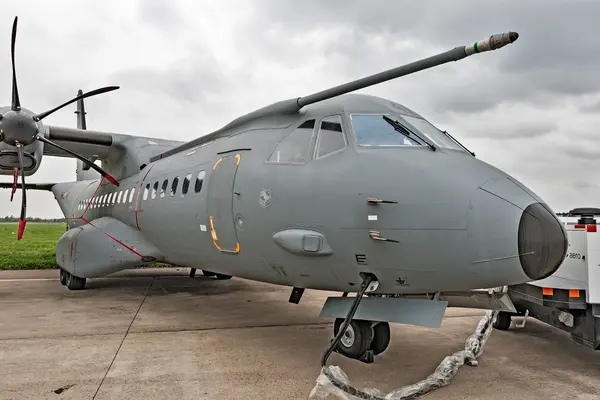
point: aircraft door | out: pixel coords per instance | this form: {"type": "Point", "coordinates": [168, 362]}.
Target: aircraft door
{"type": "Point", "coordinates": [220, 203]}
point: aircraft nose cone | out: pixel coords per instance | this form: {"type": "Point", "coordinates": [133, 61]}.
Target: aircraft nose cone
{"type": "Point", "coordinates": [542, 241]}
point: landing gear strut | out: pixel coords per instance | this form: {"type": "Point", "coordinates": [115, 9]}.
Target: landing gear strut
{"type": "Point", "coordinates": [71, 281]}
{"type": "Point", "coordinates": [359, 339]}
{"type": "Point", "coordinates": [209, 273]}
{"type": "Point", "coordinates": [218, 276]}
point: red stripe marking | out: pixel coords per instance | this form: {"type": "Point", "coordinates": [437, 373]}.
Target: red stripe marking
{"type": "Point", "coordinates": [579, 226]}
{"type": "Point", "coordinates": [115, 239]}
{"type": "Point", "coordinates": [137, 199]}
{"type": "Point", "coordinates": [91, 199]}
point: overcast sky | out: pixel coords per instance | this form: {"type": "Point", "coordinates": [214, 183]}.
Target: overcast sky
{"type": "Point", "coordinates": [188, 67]}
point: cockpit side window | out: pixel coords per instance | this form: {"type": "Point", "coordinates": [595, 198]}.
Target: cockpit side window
{"type": "Point", "coordinates": [331, 136]}
{"type": "Point", "coordinates": [295, 147]}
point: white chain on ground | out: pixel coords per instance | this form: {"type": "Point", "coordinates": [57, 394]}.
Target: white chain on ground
{"type": "Point", "coordinates": [333, 383]}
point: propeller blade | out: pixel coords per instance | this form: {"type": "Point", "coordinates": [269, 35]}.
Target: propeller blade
{"type": "Point", "coordinates": [24, 195]}
{"type": "Point", "coordinates": [102, 172]}
{"type": "Point", "coordinates": [83, 96]}
{"type": "Point", "coordinates": [16, 103]}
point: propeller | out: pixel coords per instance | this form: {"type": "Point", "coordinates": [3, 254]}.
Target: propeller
{"type": "Point", "coordinates": [21, 127]}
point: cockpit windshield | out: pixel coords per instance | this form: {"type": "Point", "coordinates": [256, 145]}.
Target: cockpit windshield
{"type": "Point", "coordinates": [372, 130]}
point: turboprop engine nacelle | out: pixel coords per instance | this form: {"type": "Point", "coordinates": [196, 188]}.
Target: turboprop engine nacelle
{"type": "Point", "coordinates": [32, 157]}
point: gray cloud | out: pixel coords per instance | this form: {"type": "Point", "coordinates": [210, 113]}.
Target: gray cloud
{"type": "Point", "coordinates": [583, 153]}
{"type": "Point", "coordinates": [191, 79]}
{"type": "Point", "coordinates": [590, 108]}
{"type": "Point", "coordinates": [161, 15]}
{"type": "Point", "coordinates": [526, 130]}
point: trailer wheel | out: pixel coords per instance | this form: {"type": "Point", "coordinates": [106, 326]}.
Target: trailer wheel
{"type": "Point", "coordinates": [503, 321]}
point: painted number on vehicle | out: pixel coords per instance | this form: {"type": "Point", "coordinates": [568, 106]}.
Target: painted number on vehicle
{"type": "Point", "coordinates": [576, 256]}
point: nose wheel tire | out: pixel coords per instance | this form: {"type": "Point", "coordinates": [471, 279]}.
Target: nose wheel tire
{"type": "Point", "coordinates": [357, 338]}
{"type": "Point", "coordinates": [361, 336]}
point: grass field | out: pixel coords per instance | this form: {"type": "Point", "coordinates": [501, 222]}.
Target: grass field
{"type": "Point", "coordinates": [37, 248]}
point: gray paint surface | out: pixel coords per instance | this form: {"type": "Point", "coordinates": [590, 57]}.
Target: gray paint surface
{"type": "Point", "coordinates": [452, 220]}
{"type": "Point", "coordinates": [403, 311]}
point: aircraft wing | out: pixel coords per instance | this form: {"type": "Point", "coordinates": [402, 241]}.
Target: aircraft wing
{"type": "Point", "coordinates": [28, 186]}
{"type": "Point", "coordinates": [97, 145]}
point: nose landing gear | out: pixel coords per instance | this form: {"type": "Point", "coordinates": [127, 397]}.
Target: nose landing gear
{"type": "Point", "coordinates": [359, 339]}
{"type": "Point", "coordinates": [362, 339]}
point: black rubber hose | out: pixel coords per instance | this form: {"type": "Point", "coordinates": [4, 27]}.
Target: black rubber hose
{"type": "Point", "coordinates": [366, 281]}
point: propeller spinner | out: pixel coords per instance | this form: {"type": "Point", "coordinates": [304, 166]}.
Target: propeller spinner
{"type": "Point", "coordinates": [20, 127]}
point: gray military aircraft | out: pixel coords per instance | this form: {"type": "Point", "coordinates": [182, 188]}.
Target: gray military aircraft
{"type": "Point", "coordinates": [333, 191]}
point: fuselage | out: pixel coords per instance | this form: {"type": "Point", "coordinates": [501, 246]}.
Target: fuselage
{"type": "Point", "coordinates": [307, 204]}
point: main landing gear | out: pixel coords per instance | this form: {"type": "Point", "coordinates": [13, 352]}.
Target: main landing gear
{"type": "Point", "coordinates": [359, 339]}
{"type": "Point", "coordinates": [71, 281]}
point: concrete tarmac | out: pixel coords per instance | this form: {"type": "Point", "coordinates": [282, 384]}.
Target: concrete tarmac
{"type": "Point", "coordinates": [157, 334]}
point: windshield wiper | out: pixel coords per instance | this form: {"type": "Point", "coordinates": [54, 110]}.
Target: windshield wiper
{"type": "Point", "coordinates": [459, 143]}
{"type": "Point", "coordinates": [399, 128]}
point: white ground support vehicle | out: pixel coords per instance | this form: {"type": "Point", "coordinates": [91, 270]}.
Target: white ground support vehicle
{"type": "Point", "coordinates": [569, 299]}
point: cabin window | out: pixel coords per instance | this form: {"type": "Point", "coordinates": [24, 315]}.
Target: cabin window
{"type": "Point", "coordinates": [295, 147]}
{"type": "Point", "coordinates": [199, 180]}
{"type": "Point", "coordinates": [125, 196]}
{"type": "Point", "coordinates": [154, 190]}
{"type": "Point", "coordinates": [331, 136]}
{"type": "Point", "coordinates": [131, 194]}
{"type": "Point", "coordinates": [146, 191]}
{"type": "Point", "coordinates": [163, 188]}
{"type": "Point", "coordinates": [174, 185]}
{"type": "Point", "coordinates": [186, 184]}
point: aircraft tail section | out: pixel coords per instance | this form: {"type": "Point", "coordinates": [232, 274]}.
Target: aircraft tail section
{"type": "Point", "coordinates": [83, 172]}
